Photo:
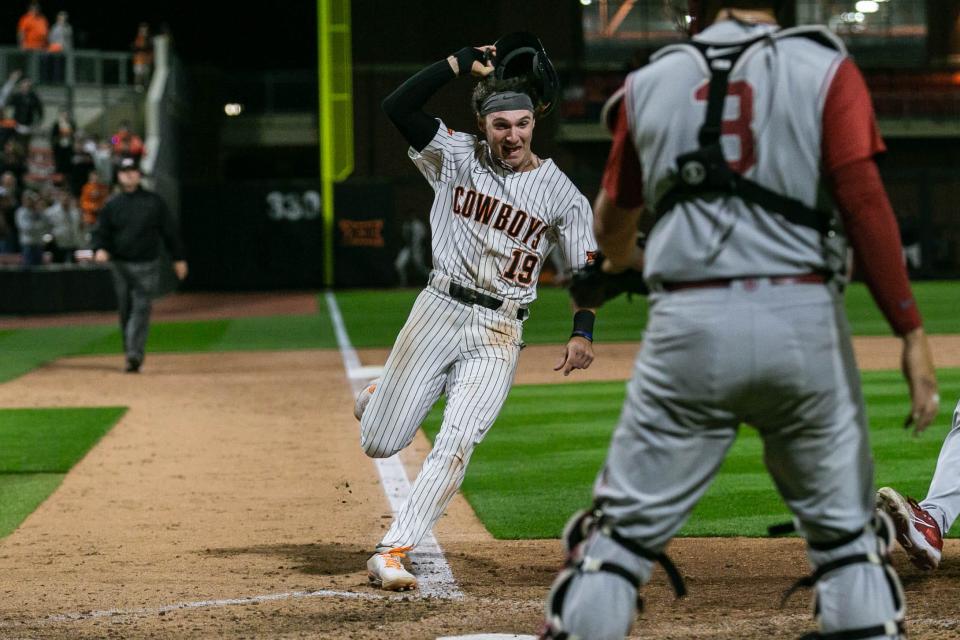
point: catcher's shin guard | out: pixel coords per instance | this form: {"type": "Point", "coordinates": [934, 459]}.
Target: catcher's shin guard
{"type": "Point", "coordinates": [596, 594]}
{"type": "Point", "coordinates": [858, 594]}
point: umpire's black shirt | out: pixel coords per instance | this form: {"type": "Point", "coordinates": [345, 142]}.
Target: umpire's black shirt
{"type": "Point", "coordinates": [132, 225]}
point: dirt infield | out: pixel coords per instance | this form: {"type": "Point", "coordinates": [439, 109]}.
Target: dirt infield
{"type": "Point", "coordinates": [615, 361]}
{"type": "Point", "coordinates": [232, 500]}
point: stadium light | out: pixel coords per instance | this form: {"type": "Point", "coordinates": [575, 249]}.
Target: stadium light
{"type": "Point", "coordinates": [233, 108]}
{"type": "Point", "coordinates": [867, 6]}
{"type": "Point", "coordinates": [586, 3]}
{"type": "Point", "coordinates": [857, 16]}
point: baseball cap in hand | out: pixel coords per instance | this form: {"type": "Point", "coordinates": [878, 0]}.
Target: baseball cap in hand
{"type": "Point", "coordinates": [128, 164]}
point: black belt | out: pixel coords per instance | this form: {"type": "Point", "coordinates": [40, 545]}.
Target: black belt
{"type": "Point", "coordinates": [470, 296]}
{"type": "Point", "coordinates": [806, 278]}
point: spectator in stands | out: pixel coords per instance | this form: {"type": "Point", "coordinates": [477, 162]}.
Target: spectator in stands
{"type": "Point", "coordinates": [7, 229]}
{"type": "Point", "coordinates": [13, 159]}
{"type": "Point", "coordinates": [66, 223]}
{"type": "Point", "coordinates": [7, 123]}
{"type": "Point", "coordinates": [61, 41]}
{"type": "Point", "coordinates": [48, 195]}
{"type": "Point", "coordinates": [5, 234]}
{"type": "Point", "coordinates": [92, 198]}
{"type": "Point", "coordinates": [62, 141]}
{"type": "Point", "coordinates": [27, 110]}
{"type": "Point", "coordinates": [103, 160]}
{"type": "Point", "coordinates": [9, 197]}
{"type": "Point", "coordinates": [142, 56]}
{"type": "Point", "coordinates": [125, 143]}
{"type": "Point", "coordinates": [82, 164]}
{"type": "Point", "coordinates": [32, 226]}
{"type": "Point", "coordinates": [7, 90]}
{"type": "Point", "coordinates": [8, 127]}
{"type": "Point", "coordinates": [61, 34]}
{"type": "Point", "coordinates": [33, 29]}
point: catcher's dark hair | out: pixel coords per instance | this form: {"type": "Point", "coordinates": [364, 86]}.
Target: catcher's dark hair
{"type": "Point", "coordinates": [746, 4]}
{"type": "Point", "coordinates": [783, 10]}
{"type": "Point", "coordinates": [490, 85]}
{"type": "Point", "coordinates": [751, 4]}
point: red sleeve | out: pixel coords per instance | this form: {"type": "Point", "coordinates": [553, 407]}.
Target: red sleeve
{"type": "Point", "coordinates": [623, 176]}
{"type": "Point", "coordinates": [875, 238]}
{"type": "Point", "coordinates": [850, 131]}
{"type": "Point", "coordinates": [851, 139]}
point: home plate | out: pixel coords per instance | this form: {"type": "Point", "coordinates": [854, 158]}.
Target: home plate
{"type": "Point", "coordinates": [489, 636]}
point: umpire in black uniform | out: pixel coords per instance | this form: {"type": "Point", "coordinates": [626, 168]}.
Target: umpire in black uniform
{"type": "Point", "coordinates": [128, 234]}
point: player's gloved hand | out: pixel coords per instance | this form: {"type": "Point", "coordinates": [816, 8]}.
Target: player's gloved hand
{"type": "Point", "coordinates": [592, 286]}
{"type": "Point", "coordinates": [578, 354]}
{"type": "Point", "coordinates": [477, 59]}
{"type": "Point", "coordinates": [917, 365]}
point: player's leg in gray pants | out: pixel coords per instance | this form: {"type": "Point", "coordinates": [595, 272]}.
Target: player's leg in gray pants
{"type": "Point", "coordinates": [943, 497]}
{"type": "Point", "coordinates": [467, 350]}
{"type": "Point", "coordinates": [135, 284]}
{"type": "Point", "coordinates": [778, 358]}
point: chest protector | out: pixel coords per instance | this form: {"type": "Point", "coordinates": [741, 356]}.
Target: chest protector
{"type": "Point", "coordinates": [706, 171]}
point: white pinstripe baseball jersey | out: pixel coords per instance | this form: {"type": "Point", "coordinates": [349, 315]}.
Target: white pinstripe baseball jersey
{"type": "Point", "coordinates": [492, 229]}
{"type": "Point", "coordinates": [492, 226]}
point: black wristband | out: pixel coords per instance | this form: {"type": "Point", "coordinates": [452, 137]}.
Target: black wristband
{"type": "Point", "coordinates": [465, 59]}
{"type": "Point", "coordinates": [583, 324]}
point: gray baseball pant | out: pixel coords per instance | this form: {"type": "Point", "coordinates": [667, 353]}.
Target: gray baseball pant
{"type": "Point", "coordinates": [943, 497]}
{"type": "Point", "coordinates": [135, 284]}
{"type": "Point", "coordinates": [779, 358]}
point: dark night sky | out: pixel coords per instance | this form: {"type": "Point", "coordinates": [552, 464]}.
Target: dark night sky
{"type": "Point", "coordinates": [282, 34]}
{"type": "Point", "coordinates": [219, 33]}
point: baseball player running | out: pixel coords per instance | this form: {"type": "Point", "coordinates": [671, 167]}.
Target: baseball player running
{"type": "Point", "coordinates": [498, 210]}
{"type": "Point", "coordinates": [728, 139]}
{"type": "Point", "coordinates": [921, 526]}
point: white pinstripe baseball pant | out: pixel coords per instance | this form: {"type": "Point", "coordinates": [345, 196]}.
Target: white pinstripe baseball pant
{"type": "Point", "coordinates": [467, 350]}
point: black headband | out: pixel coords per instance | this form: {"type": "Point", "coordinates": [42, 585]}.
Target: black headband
{"type": "Point", "coordinates": [506, 101]}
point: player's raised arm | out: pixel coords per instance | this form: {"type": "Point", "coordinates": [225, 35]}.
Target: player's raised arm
{"type": "Point", "coordinates": [404, 106]}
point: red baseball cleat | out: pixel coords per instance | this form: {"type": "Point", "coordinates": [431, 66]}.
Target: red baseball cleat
{"type": "Point", "coordinates": [917, 532]}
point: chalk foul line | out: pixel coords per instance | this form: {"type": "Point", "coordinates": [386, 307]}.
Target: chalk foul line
{"type": "Point", "coordinates": [434, 577]}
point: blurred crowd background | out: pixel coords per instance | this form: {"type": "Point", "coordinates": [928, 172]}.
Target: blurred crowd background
{"type": "Point", "coordinates": [219, 103]}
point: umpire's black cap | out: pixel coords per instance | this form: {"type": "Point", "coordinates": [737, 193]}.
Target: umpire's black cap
{"type": "Point", "coordinates": [129, 164]}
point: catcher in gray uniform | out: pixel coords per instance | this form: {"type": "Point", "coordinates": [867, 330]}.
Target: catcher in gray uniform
{"type": "Point", "coordinates": [726, 141]}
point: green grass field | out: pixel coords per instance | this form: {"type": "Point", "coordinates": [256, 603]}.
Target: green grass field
{"type": "Point", "coordinates": [37, 448]}
{"type": "Point", "coordinates": [553, 427]}
{"type": "Point", "coordinates": [537, 464]}
{"type": "Point", "coordinates": [373, 319]}
{"type": "Point", "coordinates": [26, 349]}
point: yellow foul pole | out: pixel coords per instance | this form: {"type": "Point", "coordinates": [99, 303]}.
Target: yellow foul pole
{"type": "Point", "coordinates": [335, 116]}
